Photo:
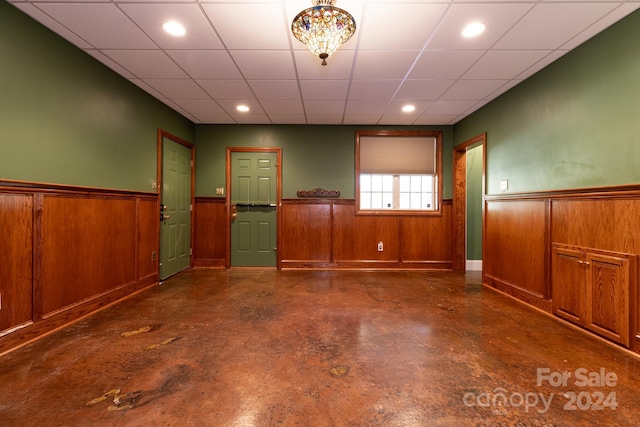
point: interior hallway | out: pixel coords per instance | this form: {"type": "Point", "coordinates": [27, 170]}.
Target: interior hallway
{"type": "Point", "coordinates": [318, 348]}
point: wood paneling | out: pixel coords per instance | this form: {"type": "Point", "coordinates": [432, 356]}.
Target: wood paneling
{"type": "Point", "coordinates": [148, 223]}
{"type": "Point", "coordinates": [210, 232]}
{"type": "Point", "coordinates": [520, 230]}
{"type": "Point", "coordinates": [607, 224]}
{"type": "Point", "coordinates": [88, 248]}
{"type": "Point", "coordinates": [306, 233]}
{"type": "Point", "coordinates": [16, 253]}
{"type": "Point", "coordinates": [356, 237]}
{"type": "Point", "coordinates": [516, 255]}
{"type": "Point", "coordinates": [68, 252]}
{"type": "Point", "coordinates": [327, 233]}
{"type": "Point", "coordinates": [426, 239]}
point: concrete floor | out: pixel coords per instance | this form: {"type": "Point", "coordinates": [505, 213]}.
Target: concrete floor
{"type": "Point", "coordinates": [320, 348]}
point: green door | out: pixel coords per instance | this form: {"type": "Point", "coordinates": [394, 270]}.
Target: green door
{"type": "Point", "coordinates": [175, 223]}
{"type": "Point", "coordinates": [254, 206]}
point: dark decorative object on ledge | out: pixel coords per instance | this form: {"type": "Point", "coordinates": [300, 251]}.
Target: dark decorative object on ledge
{"type": "Point", "coordinates": [318, 192]}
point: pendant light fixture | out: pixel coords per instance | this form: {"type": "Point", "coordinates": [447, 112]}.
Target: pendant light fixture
{"type": "Point", "coordinates": [323, 28]}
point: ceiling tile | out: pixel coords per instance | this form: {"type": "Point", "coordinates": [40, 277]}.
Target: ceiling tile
{"type": "Point", "coordinates": [317, 108]}
{"type": "Point", "coordinates": [423, 89]}
{"type": "Point", "coordinates": [199, 106]}
{"type": "Point", "coordinates": [504, 64]}
{"type": "Point", "coordinates": [324, 89]}
{"type": "Point", "coordinates": [472, 89]}
{"type": "Point", "coordinates": [611, 18]}
{"type": "Point", "coordinates": [249, 26]}
{"type": "Point", "coordinates": [283, 106]}
{"type": "Point", "coordinates": [309, 66]}
{"type": "Point", "coordinates": [206, 64]}
{"type": "Point", "coordinates": [226, 89]}
{"type": "Point", "coordinates": [384, 65]}
{"type": "Point", "coordinates": [275, 89]}
{"type": "Point", "coordinates": [409, 25]}
{"type": "Point", "coordinates": [443, 64]}
{"type": "Point", "coordinates": [550, 25]}
{"type": "Point", "coordinates": [365, 107]}
{"type": "Point", "coordinates": [95, 23]}
{"type": "Point", "coordinates": [177, 88]}
{"type": "Point", "coordinates": [264, 65]}
{"type": "Point", "coordinates": [374, 89]}
{"type": "Point", "coordinates": [150, 17]}
{"type": "Point", "coordinates": [52, 24]}
{"type": "Point", "coordinates": [498, 18]}
{"type": "Point", "coordinates": [146, 64]}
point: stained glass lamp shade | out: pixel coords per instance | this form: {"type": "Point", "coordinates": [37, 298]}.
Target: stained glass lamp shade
{"type": "Point", "coordinates": [323, 28]}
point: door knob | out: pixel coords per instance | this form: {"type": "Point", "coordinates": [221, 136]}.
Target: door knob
{"type": "Point", "coordinates": [164, 217]}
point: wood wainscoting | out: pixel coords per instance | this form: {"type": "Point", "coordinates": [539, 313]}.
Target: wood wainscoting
{"type": "Point", "coordinates": [68, 252]}
{"type": "Point", "coordinates": [210, 232]}
{"type": "Point", "coordinates": [521, 230]}
{"type": "Point", "coordinates": [327, 233]}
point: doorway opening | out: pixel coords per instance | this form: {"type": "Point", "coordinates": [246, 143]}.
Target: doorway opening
{"type": "Point", "coordinates": [462, 214]}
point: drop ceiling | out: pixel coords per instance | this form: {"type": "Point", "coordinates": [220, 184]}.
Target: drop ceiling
{"type": "Point", "coordinates": [403, 52]}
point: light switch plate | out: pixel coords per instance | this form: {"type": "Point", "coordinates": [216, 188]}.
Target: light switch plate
{"type": "Point", "coordinates": [504, 185]}
{"type": "Point", "coordinates": [219, 191]}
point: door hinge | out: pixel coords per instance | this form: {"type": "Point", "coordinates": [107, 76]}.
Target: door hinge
{"type": "Point", "coordinates": [190, 251]}
{"type": "Point", "coordinates": [191, 208]}
{"type": "Point", "coordinates": [191, 163]}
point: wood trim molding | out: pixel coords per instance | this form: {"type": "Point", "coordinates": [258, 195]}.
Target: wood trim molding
{"type": "Point", "coordinates": [44, 187]}
{"type": "Point", "coordinates": [618, 191]}
{"type": "Point", "coordinates": [459, 223]}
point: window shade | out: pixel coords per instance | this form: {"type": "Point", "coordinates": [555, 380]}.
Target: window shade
{"type": "Point", "coordinates": [397, 155]}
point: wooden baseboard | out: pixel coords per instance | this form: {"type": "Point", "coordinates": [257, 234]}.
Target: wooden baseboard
{"type": "Point", "coordinates": [32, 331]}
{"type": "Point", "coordinates": [524, 295]}
{"type": "Point", "coordinates": [569, 324]}
{"type": "Point", "coordinates": [366, 265]}
{"type": "Point", "coordinates": [209, 263]}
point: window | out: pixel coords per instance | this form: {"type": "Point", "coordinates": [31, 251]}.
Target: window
{"type": "Point", "coordinates": [398, 172]}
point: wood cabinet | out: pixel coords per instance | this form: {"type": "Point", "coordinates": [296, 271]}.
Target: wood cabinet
{"type": "Point", "coordinates": [594, 289]}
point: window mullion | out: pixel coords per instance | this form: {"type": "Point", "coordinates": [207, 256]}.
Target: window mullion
{"type": "Point", "coordinates": [396, 192]}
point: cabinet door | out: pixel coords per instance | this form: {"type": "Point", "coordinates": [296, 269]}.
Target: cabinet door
{"type": "Point", "coordinates": [608, 296]}
{"type": "Point", "coordinates": [568, 284]}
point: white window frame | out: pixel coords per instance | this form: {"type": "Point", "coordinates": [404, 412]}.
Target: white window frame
{"type": "Point", "coordinates": [392, 188]}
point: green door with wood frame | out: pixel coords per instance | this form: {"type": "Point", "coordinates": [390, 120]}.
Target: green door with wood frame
{"type": "Point", "coordinates": [254, 209]}
{"type": "Point", "coordinates": [175, 212]}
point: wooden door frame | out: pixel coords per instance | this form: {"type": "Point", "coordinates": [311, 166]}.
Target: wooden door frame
{"type": "Point", "coordinates": [161, 135]}
{"type": "Point", "coordinates": [460, 198]}
{"type": "Point", "coordinates": [278, 152]}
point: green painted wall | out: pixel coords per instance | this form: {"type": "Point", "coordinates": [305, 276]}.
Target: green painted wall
{"type": "Point", "coordinates": [574, 124]}
{"type": "Point", "coordinates": [67, 119]}
{"type": "Point", "coordinates": [313, 156]}
{"type": "Point", "coordinates": [474, 203]}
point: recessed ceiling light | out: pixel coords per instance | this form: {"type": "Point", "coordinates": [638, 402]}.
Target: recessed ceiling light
{"type": "Point", "coordinates": [242, 108]}
{"type": "Point", "coordinates": [474, 29]}
{"type": "Point", "coordinates": [408, 108]}
{"type": "Point", "coordinates": [174, 28]}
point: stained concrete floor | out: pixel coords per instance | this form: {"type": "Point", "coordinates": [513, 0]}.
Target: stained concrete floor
{"type": "Point", "coordinates": [320, 348]}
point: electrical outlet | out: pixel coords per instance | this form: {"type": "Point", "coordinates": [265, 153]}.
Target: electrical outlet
{"type": "Point", "coordinates": [380, 247]}
{"type": "Point", "coordinates": [154, 185]}
{"type": "Point", "coordinates": [219, 191]}
{"type": "Point", "coordinates": [504, 185]}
